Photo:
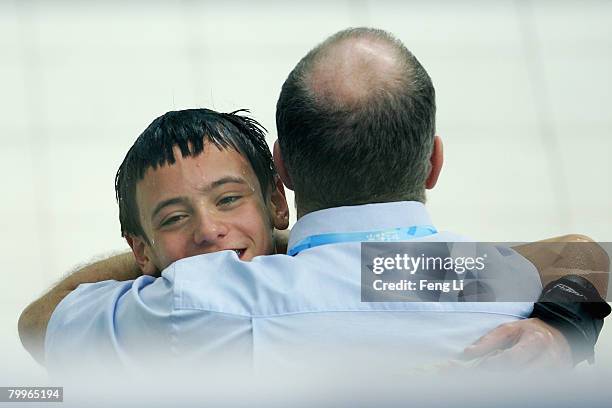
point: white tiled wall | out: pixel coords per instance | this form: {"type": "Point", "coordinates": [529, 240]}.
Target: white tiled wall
{"type": "Point", "coordinates": [523, 106]}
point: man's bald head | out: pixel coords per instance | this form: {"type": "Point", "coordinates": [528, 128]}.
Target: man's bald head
{"type": "Point", "coordinates": [351, 70]}
{"type": "Point", "coordinates": [356, 121]}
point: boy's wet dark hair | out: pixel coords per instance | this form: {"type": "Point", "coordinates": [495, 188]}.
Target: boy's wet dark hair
{"type": "Point", "coordinates": [189, 130]}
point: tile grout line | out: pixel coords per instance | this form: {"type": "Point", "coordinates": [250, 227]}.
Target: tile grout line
{"type": "Point", "coordinates": [37, 139]}
{"type": "Point", "coordinates": [195, 50]}
{"type": "Point", "coordinates": [359, 13]}
{"type": "Point", "coordinates": [548, 137]}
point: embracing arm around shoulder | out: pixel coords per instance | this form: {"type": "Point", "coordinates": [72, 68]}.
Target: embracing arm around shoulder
{"type": "Point", "coordinates": [35, 318]}
{"type": "Point", "coordinates": [571, 254]}
{"type": "Point", "coordinates": [533, 342]}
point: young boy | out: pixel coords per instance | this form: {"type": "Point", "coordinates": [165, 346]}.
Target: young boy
{"type": "Point", "coordinates": [197, 181]}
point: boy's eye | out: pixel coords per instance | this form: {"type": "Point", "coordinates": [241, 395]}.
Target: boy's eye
{"type": "Point", "coordinates": [229, 200]}
{"type": "Point", "coordinates": [173, 220]}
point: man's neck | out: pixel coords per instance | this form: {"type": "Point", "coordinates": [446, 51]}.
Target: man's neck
{"type": "Point", "coordinates": [360, 218]}
{"type": "Point", "coordinates": [303, 210]}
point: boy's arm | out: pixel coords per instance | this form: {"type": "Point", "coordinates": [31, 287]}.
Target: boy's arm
{"type": "Point", "coordinates": [35, 318]}
{"type": "Point", "coordinates": [533, 342]}
{"type": "Point", "coordinates": [569, 254]}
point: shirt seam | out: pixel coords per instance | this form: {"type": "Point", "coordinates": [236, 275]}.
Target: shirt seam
{"type": "Point", "coordinates": [177, 298]}
{"type": "Point", "coordinates": [263, 316]}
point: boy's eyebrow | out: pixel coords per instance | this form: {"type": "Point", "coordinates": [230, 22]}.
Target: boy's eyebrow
{"type": "Point", "coordinates": [224, 180]}
{"type": "Point", "coordinates": [205, 189]}
{"type": "Point", "coordinates": [160, 206]}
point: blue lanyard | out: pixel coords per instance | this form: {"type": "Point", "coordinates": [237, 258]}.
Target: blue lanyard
{"type": "Point", "coordinates": [388, 235]}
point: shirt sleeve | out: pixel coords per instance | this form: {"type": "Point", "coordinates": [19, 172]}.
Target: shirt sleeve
{"type": "Point", "coordinates": [201, 308]}
{"type": "Point", "coordinates": [102, 322]}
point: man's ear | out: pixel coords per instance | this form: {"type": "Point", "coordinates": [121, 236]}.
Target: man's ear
{"type": "Point", "coordinates": [279, 163]}
{"type": "Point", "coordinates": [436, 160]}
{"type": "Point", "coordinates": [278, 208]}
{"type": "Point", "coordinates": [140, 249]}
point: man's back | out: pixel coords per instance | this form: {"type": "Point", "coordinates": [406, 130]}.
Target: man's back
{"type": "Point", "coordinates": [281, 309]}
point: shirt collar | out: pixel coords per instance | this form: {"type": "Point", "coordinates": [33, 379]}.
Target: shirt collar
{"type": "Point", "coordinates": [359, 218]}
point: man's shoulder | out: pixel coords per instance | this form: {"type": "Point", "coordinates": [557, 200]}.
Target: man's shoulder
{"type": "Point", "coordinates": [265, 286]}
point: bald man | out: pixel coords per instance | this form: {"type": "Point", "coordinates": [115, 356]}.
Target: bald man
{"type": "Point", "coordinates": [357, 144]}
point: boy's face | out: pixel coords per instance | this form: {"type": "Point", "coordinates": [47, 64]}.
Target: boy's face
{"type": "Point", "coordinates": [207, 203]}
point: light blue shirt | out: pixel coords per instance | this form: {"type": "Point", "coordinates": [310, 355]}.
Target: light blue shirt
{"type": "Point", "coordinates": [274, 309]}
